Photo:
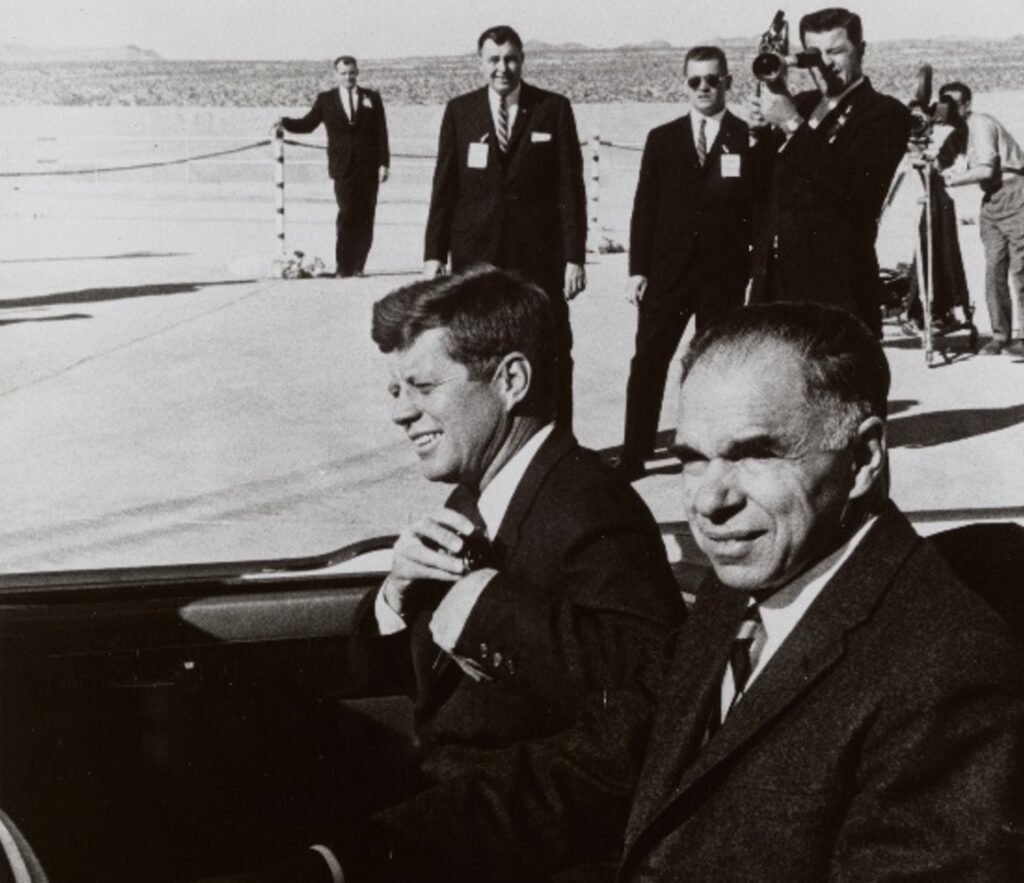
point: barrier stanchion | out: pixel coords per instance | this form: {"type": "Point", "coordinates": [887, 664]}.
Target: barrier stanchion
{"type": "Point", "coordinates": [279, 261]}
{"type": "Point", "coordinates": [594, 221]}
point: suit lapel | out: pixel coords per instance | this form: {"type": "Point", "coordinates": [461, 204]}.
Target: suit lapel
{"type": "Point", "coordinates": [527, 102]}
{"type": "Point", "coordinates": [555, 447]}
{"type": "Point", "coordinates": [687, 152]}
{"type": "Point", "coordinates": [817, 644]}
{"type": "Point", "coordinates": [692, 683]}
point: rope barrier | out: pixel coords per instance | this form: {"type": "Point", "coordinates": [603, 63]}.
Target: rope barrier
{"type": "Point", "coordinates": [173, 162]}
{"type": "Point", "coordinates": [128, 168]}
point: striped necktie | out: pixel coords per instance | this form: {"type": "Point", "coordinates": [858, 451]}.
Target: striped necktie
{"type": "Point", "coordinates": [702, 143]}
{"type": "Point", "coordinates": [743, 656]}
{"type": "Point", "coordinates": [503, 124]}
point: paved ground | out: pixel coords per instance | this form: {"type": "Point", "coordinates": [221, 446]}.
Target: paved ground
{"type": "Point", "coordinates": [161, 400]}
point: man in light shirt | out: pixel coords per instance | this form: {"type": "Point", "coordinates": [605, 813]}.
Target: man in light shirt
{"type": "Point", "coordinates": [357, 158]}
{"type": "Point", "coordinates": [689, 242]}
{"type": "Point", "coordinates": [508, 188]}
{"type": "Point", "coordinates": [824, 160]}
{"type": "Point", "coordinates": [995, 162]}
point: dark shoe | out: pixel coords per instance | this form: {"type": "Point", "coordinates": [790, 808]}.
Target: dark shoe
{"type": "Point", "coordinates": [1015, 349]}
{"type": "Point", "coordinates": [992, 348]}
{"type": "Point", "coordinates": [629, 470]}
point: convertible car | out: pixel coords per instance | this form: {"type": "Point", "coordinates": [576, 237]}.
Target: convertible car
{"type": "Point", "coordinates": [165, 723]}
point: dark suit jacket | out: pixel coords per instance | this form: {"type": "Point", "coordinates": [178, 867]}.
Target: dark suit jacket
{"type": "Point", "coordinates": [526, 210]}
{"type": "Point", "coordinates": [822, 197]}
{"type": "Point", "coordinates": [884, 741]}
{"type": "Point", "coordinates": [358, 149]}
{"type": "Point", "coordinates": [583, 596]}
{"type": "Point", "coordinates": [690, 232]}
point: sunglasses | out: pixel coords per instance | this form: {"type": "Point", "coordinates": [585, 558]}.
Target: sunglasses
{"type": "Point", "coordinates": [713, 81]}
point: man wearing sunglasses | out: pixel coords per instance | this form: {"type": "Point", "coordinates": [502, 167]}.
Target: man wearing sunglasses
{"type": "Point", "coordinates": [689, 248]}
{"type": "Point", "coordinates": [825, 158]}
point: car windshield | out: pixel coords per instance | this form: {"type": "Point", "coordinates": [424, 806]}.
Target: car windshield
{"type": "Point", "coordinates": [166, 398]}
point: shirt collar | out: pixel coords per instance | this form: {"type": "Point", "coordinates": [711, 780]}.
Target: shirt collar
{"type": "Point", "coordinates": [784, 609]}
{"type": "Point", "coordinates": [495, 498]}
{"type": "Point", "coordinates": [511, 100]}
{"type": "Point", "coordinates": [696, 116]}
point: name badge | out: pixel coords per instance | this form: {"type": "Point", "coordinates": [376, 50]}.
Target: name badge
{"type": "Point", "coordinates": [477, 158]}
{"type": "Point", "coordinates": [730, 165]}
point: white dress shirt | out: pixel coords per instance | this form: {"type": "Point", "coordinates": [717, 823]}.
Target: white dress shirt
{"type": "Point", "coordinates": [511, 103]}
{"type": "Point", "coordinates": [782, 612]}
{"type": "Point", "coordinates": [452, 613]}
{"type": "Point", "coordinates": [346, 100]}
{"type": "Point", "coordinates": [711, 126]}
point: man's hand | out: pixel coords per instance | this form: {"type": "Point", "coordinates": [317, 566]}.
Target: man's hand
{"type": "Point", "coordinates": [276, 127]}
{"type": "Point", "coordinates": [383, 174]}
{"type": "Point", "coordinates": [575, 280]}
{"type": "Point", "coordinates": [636, 288]}
{"type": "Point", "coordinates": [755, 119]}
{"type": "Point", "coordinates": [777, 110]}
{"type": "Point", "coordinates": [427, 550]}
{"type": "Point", "coordinates": [433, 269]}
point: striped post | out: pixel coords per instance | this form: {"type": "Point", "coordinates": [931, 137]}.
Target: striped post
{"type": "Point", "coordinates": [594, 197]}
{"type": "Point", "coordinates": [282, 253]}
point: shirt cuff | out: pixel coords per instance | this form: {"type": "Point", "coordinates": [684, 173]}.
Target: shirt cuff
{"type": "Point", "coordinates": [337, 875]}
{"type": "Point", "coordinates": [453, 612]}
{"type": "Point", "coordinates": [388, 621]}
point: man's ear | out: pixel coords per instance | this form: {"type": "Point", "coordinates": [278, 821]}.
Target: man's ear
{"type": "Point", "coordinates": [512, 378]}
{"type": "Point", "coordinates": [870, 457]}
{"type": "Point", "coordinates": [861, 48]}
{"type": "Point", "coordinates": [727, 82]}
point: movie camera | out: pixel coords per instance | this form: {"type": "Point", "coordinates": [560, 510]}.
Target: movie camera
{"type": "Point", "coordinates": [926, 115]}
{"type": "Point", "coordinates": [773, 57]}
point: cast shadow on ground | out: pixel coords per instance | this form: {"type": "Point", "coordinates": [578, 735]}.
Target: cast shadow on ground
{"type": "Point", "coordinates": [63, 318]}
{"type": "Point", "coordinates": [96, 295]}
{"type": "Point", "coordinates": [98, 257]}
{"type": "Point", "coordinates": [941, 427]}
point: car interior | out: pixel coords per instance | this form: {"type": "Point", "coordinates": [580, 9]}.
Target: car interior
{"type": "Point", "coordinates": [168, 723]}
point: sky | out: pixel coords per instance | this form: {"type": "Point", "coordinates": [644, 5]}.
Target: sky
{"type": "Point", "coordinates": [313, 29]}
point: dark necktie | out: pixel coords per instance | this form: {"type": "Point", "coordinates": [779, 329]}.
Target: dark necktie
{"type": "Point", "coordinates": [743, 655]}
{"type": "Point", "coordinates": [503, 124]}
{"type": "Point", "coordinates": [702, 143]}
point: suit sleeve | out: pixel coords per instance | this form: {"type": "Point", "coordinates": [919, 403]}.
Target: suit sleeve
{"type": "Point", "coordinates": [378, 665]}
{"type": "Point", "coordinates": [305, 125]}
{"type": "Point", "coordinates": [383, 149]}
{"type": "Point", "coordinates": [856, 178]}
{"type": "Point", "coordinates": [645, 212]}
{"type": "Point", "coordinates": [942, 781]}
{"type": "Point", "coordinates": [444, 192]}
{"type": "Point", "coordinates": [572, 193]}
{"type": "Point", "coordinates": [608, 609]}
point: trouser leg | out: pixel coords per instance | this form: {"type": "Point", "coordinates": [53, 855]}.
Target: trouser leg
{"type": "Point", "coordinates": [357, 203]}
{"type": "Point", "coordinates": [997, 265]}
{"type": "Point", "coordinates": [657, 337]}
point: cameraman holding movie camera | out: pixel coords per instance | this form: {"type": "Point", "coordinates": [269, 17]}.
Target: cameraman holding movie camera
{"type": "Point", "coordinates": [996, 163]}
{"type": "Point", "coordinates": [823, 161]}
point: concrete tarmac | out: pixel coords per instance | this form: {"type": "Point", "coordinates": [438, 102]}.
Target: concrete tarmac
{"type": "Point", "coordinates": [178, 421]}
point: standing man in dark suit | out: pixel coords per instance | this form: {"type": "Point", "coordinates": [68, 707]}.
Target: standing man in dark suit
{"type": "Point", "coordinates": [357, 158]}
{"type": "Point", "coordinates": [508, 188]}
{"type": "Point", "coordinates": [837, 707]}
{"type": "Point", "coordinates": [825, 166]}
{"type": "Point", "coordinates": [689, 244]}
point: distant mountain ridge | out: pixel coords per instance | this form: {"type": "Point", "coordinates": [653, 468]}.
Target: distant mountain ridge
{"type": "Point", "coordinates": [14, 53]}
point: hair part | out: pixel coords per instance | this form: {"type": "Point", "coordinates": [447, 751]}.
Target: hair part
{"type": "Point", "coordinates": [488, 313]}
{"type": "Point", "coordinates": [706, 53]}
{"type": "Point", "coordinates": [845, 370]}
{"type": "Point", "coordinates": [956, 86]}
{"type": "Point", "coordinates": [500, 35]}
{"type": "Point", "coordinates": [828, 20]}
{"type": "Point", "coordinates": [345, 59]}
